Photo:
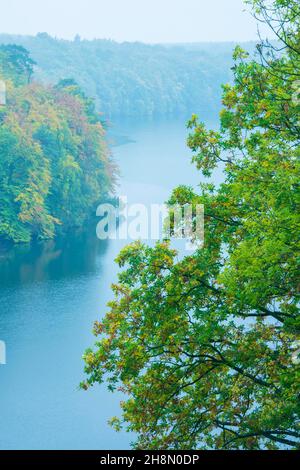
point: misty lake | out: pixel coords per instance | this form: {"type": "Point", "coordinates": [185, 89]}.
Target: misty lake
{"type": "Point", "coordinates": [50, 295]}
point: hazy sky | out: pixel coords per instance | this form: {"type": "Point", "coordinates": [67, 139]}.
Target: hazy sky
{"type": "Point", "coordinates": [130, 20]}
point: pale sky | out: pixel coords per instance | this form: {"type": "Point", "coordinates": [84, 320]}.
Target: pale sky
{"type": "Point", "coordinates": [131, 20]}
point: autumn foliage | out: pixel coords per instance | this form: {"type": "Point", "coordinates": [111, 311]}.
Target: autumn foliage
{"type": "Point", "coordinates": [206, 348]}
{"type": "Point", "coordinates": [54, 163]}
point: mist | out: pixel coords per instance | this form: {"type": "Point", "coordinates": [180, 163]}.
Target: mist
{"type": "Point", "coordinates": [154, 21]}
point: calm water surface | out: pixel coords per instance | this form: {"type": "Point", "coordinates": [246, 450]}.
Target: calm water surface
{"type": "Point", "coordinates": [51, 293]}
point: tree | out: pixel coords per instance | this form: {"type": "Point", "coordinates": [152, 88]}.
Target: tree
{"type": "Point", "coordinates": [55, 167]}
{"type": "Point", "coordinates": [16, 63]}
{"type": "Point", "coordinates": [204, 348]}
{"type": "Point", "coordinates": [134, 79]}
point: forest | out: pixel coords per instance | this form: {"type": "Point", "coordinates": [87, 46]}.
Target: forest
{"type": "Point", "coordinates": [200, 349]}
{"type": "Point", "coordinates": [135, 80]}
{"type": "Point", "coordinates": [55, 165]}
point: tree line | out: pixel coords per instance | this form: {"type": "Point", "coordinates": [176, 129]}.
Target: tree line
{"type": "Point", "coordinates": [135, 80]}
{"type": "Point", "coordinates": [54, 163]}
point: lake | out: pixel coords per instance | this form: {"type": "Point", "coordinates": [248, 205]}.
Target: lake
{"type": "Point", "coordinates": [50, 295]}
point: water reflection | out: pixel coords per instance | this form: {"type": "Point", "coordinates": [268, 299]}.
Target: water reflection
{"type": "Point", "coordinates": [51, 293]}
{"type": "Point", "coordinates": [66, 257]}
